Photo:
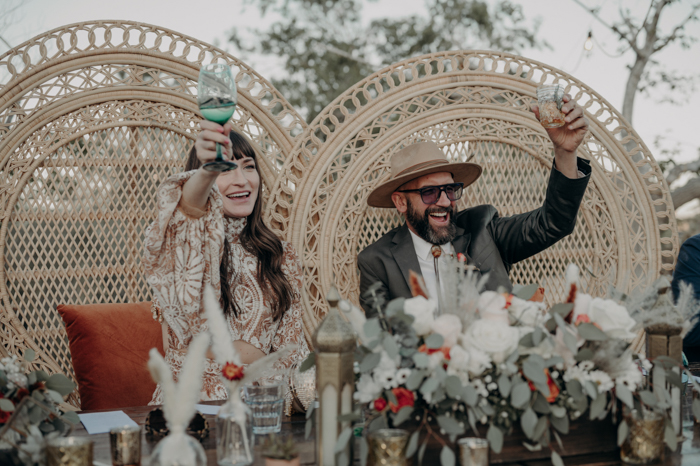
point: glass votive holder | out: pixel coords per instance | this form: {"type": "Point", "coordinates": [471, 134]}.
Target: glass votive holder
{"type": "Point", "coordinates": [549, 102]}
{"type": "Point", "coordinates": [645, 442]}
{"type": "Point", "coordinates": [473, 451]}
{"type": "Point", "coordinates": [387, 447]}
{"type": "Point", "coordinates": [125, 445]}
{"type": "Point", "coordinates": [266, 403]}
{"type": "Point", "coordinates": [69, 451]}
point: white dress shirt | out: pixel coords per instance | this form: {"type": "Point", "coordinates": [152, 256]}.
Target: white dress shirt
{"type": "Point", "coordinates": [426, 262]}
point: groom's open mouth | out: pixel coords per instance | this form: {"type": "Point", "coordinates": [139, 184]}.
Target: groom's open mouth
{"type": "Point", "coordinates": [440, 218]}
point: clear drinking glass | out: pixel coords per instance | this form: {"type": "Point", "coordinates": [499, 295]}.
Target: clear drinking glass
{"type": "Point", "coordinates": [234, 435]}
{"type": "Point", "coordinates": [266, 403]}
{"type": "Point", "coordinates": [549, 101]}
{"type": "Point", "coordinates": [217, 99]}
{"type": "Point", "coordinates": [645, 441]}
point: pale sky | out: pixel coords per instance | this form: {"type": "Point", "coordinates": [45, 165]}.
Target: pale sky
{"type": "Point", "coordinates": [564, 25]}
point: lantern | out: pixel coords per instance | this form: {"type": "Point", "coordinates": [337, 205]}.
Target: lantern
{"type": "Point", "coordinates": [334, 343]}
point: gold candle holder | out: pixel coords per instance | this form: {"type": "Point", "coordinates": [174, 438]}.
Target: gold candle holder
{"type": "Point", "coordinates": [69, 451]}
{"type": "Point", "coordinates": [645, 442]}
{"type": "Point", "coordinates": [387, 447]}
{"type": "Point", "coordinates": [125, 445]}
{"type": "Point", "coordinates": [473, 451]}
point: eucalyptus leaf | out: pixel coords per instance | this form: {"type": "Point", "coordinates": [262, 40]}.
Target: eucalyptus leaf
{"type": "Point", "coordinates": [670, 437]}
{"type": "Point", "coordinates": [421, 360]}
{"type": "Point", "coordinates": [470, 395]}
{"type": "Point", "coordinates": [403, 415]}
{"type": "Point", "coordinates": [553, 361]}
{"type": "Point", "coordinates": [504, 385]}
{"type": "Point", "coordinates": [29, 354]}
{"type": "Point", "coordinates": [623, 431]}
{"type": "Point", "coordinates": [71, 416]}
{"type": "Point", "coordinates": [377, 423]}
{"type": "Point", "coordinates": [495, 437]}
{"type": "Point", "coordinates": [556, 436]}
{"type": "Point", "coordinates": [391, 397]}
{"type": "Point", "coordinates": [526, 341]}
{"type": "Point", "coordinates": [453, 387]}
{"type": "Point", "coordinates": [307, 428]}
{"type": "Point", "coordinates": [41, 376]}
{"type": "Point", "coordinates": [570, 342]}
{"type": "Point", "coordinates": [390, 346]}
{"type": "Point", "coordinates": [412, 444]}
{"type": "Point", "coordinates": [434, 341]}
{"type": "Point", "coordinates": [527, 292]}
{"type": "Point", "coordinates": [520, 395]}
{"type": "Point", "coordinates": [541, 405]}
{"type": "Point", "coordinates": [447, 456]}
{"type": "Point", "coordinates": [370, 361]}
{"type": "Point", "coordinates": [591, 389]}
{"type": "Point", "coordinates": [562, 309]}
{"type": "Point", "coordinates": [36, 414]}
{"type": "Point", "coordinates": [343, 440]}
{"type": "Point", "coordinates": [696, 409]}
{"type": "Point", "coordinates": [46, 427]}
{"type": "Point", "coordinates": [429, 386]}
{"type": "Point", "coordinates": [415, 379]}
{"type": "Point", "coordinates": [560, 321]}
{"type": "Point", "coordinates": [648, 398]}
{"type": "Point", "coordinates": [450, 425]}
{"type": "Point", "coordinates": [394, 307]}
{"type": "Point", "coordinates": [598, 406]}
{"type": "Point", "coordinates": [421, 451]}
{"type": "Point", "coordinates": [6, 405]}
{"type": "Point", "coordinates": [349, 417]}
{"type": "Point", "coordinates": [625, 395]}
{"type": "Point", "coordinates": [536, 447]}
{"type": "Point", "coordinates": [31, 378]}
{"type": "Point", "coordinates": [534, 372]}
{"type": "Point", "coordinates": [528, 420]}
{"type": "Point", "coordinates": [560, 423]}
{"type": "Point", "coordinates": [584, 354]}
{"type": "Point", "coordinates": [310, 410]}
{"type": "Point", "coordinates": [556, 459]}
{"type": "Point", "coordinates": [537, 336]}
{"type": "Point", "coordinates": [540, 428]}
{"type": "Point", "coordinates": [557, 411]}
{"type": "Point", "coordinates": [364, 451]}
{"type": "Point", "coordinates": [55, 396]}
{"type": "Point", "coordinates": [308, 362]}
{"type": "Point", "coordinates": [674, 378]}
{"type": "Point", "coordinates": [591, 333]}
{"type": "Point", "coordinates": [471, 417]}
{"type": "Point", "coordinates": [372, 328]}
{"type": "Point", "coordinates": [60, 383]}
{"type": "Point", "coordinates": [574, 388]}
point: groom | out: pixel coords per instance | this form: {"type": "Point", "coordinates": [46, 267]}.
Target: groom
{"type": "Point", "coordinates": [424, 188]}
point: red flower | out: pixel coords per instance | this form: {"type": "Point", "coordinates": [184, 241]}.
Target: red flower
{"type": "Point", "coordinates": [379, 404]}
{"type": "Point", "coordinates": [509, 299]}
{"type": "Point", "coordinates": [551, 384]}
{"type": "Point", "coordinates": [4, 416]}
{"type": "Point", "coordinates": [583, 319]}
{"type": "Point", "coordinates": [424, 349]}
{"type": "Point", "coordinates": [461, 257]}
{"type": "Point", "coordinates": [232, 371]}
{"type": "Point", "coordinates": [21, 393]}
{"type": "Point", "coordinates": [404, 397]}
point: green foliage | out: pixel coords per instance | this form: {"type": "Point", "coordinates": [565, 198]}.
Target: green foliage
{"type": "Point", "coordinates": [326, 48]}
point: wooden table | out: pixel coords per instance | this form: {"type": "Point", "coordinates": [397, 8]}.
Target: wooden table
{"type": "Point", "coordinates": [688, 454]}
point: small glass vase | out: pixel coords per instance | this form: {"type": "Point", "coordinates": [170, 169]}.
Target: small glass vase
{"type": "Point", "coordinates": [645, 441]}
{"type": "Point", "coordinates": [234, 434]}
{"type": "Point", "coordinates": [178, 449]}
{"type": "Point", "coordinates": [388, 447]}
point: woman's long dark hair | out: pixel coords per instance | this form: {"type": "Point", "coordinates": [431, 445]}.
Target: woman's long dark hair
{"type": "Point", "coordinates": [257, 239]}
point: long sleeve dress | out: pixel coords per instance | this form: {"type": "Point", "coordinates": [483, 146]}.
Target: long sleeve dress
{"type": "Point", "coordinates": [183, 250]}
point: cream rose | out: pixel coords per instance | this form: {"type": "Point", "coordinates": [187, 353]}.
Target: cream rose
{"type": "Point", "coordinates": [495, 338]}
{"type": "Point", "coordinates": [612, 318]}
{"type": "Point", "coordinates": [492, 306]}
{"type": "Point", "coordinates": [527, 313]}
{"type": "Point", "coordinates": [449, 326]}
{"type": "Point", "coordinates": [422, 311]}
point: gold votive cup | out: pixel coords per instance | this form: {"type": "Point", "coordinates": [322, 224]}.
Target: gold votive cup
{"type": "Point", "coordinates": [69, 451]}
{"type": "Point", "coordinates": [473, 451]}
{"type": "Point", "coordinates": [125, 445]}
{"type": "Point", "coordinates": [387, 447]}
{"type": "Point", "coordinates": [645, 442]}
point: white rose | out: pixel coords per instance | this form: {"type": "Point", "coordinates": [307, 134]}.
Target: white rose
{"type": "Point", "coordinates": [366, 390]}
{"type": "Point", "coordinates": [612, 318]}
{"type": "Point", "coordinates": [527, 313]}
{"type": "Point", "coordinates": [449, 326]}
{"type": "Point", "coordinates": [496, 339]}
{"type": "Point", "coordinates": [422, 311]}
{"type": "Point", "coordinates": [492, 306]}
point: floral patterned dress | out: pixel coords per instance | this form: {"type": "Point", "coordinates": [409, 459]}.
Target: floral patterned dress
{"type": "Point", "coordinates": [183, 250]}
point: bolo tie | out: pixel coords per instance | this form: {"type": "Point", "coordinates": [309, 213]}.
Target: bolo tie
{"type": "Point", "coordinates": [436, 251]}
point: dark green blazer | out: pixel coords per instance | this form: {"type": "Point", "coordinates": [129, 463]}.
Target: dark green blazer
{"type": "Point", "coordinates": [491, 243]}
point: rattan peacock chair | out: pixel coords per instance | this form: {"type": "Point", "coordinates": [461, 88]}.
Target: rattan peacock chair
{"type": "Point", "coordinates": [476, 106]}
{"type": "Point", "coordinates": [92, 117]}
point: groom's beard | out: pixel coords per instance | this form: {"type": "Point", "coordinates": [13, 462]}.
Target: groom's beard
{"type": "Point", "coordinates": [423, 228]}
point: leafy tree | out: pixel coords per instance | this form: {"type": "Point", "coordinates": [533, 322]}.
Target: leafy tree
{"type": "Point", "coordinates": [645, 38]}
{"type": "Point", "coordinates": [326, 48]}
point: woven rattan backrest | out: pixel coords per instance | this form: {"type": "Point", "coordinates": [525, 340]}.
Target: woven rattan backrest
{"type": "Point", "coordinates": [93, 116]}
{"type": "Point", "coordinates": [475, 105]}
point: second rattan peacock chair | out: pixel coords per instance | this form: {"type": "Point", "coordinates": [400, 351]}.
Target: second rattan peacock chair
{"type": "Point", "coordinates": [476, 106]}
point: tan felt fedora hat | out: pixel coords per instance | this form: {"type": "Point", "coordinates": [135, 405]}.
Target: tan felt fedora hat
{"type": "Point", "coordinates": [414, 161]}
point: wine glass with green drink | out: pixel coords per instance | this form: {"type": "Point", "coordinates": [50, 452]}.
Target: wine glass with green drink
{"type": "Point", "coordinates": [217, 99]}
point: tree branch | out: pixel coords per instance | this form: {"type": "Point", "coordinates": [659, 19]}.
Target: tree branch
{"type": "Point", "coordinates": [686, 193]}
{"type": "Point", "coordinates": [612, 27]}
{"type": "Point", "coordinates": [673, 36]}
{"type": "Point", "coordinates": [678, 170]}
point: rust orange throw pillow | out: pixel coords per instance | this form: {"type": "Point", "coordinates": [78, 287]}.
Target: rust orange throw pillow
{"type": "Point", "coordinates": [109, 345]}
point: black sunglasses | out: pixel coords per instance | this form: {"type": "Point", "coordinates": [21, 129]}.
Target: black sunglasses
{"type": "Point", "coordinates": [431, 194]}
